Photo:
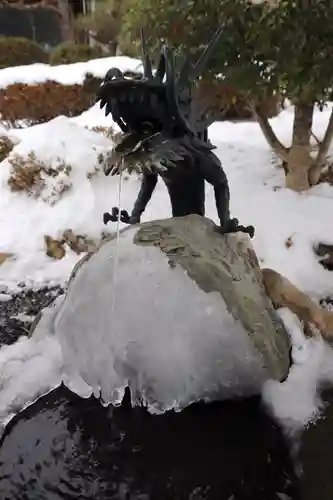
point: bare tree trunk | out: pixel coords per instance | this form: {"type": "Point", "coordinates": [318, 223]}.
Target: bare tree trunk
{"type": "Point", "coordinates": [112, 48]}
{"type": "Point", "coordinates": [269, 134]}
{"type": "Point", "coordinates": [67, 18]}
{"type": "Point", "coordinates": [299, 160]}
{"type": "Point", "coordinates": [301, 169]}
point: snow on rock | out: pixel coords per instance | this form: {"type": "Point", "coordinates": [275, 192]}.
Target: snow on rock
{"type": "Point", "coordinates": [24, 219]}
{"type": "Point", "coordinates": [95, 117]}
{"type": "Point", "coordinates": [67, 74]}
{"type": "Point", "coordinates": [31, 367]}
{"type": "Point", "coordinates": [130, 317]}
{"type": "Point", "coordinates": [296, 402]}
{"type": "Point", "coordinates": [28, 369]}
{"type": "Point", "coordinates": [4, 132]}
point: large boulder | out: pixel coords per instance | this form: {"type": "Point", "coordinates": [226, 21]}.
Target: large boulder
{"type": "Point", "coordinates": [176, 311]}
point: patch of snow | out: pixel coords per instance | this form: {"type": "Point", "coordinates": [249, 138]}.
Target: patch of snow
{"type": "Point", "coordinates": [95, 117]}
{"type": "Point", "coordinates": [31, 367]}
{"type": "Point", "coordinates": [24, 318]}
{"type": "Point", "coordinates": [296, 402]}
{"type": "Point", "coordinates": [67, 74]}
{"type": "Point", "coordinates": [25, 220]}
{"type": "Point", "coordinates": [258, 197]}
{"type": "Point", "coordinates": [5, 297]}
{"type": "Point", "coordinates": [4, 132]}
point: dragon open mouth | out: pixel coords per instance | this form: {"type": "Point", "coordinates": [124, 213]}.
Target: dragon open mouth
{"type": "Point", "coordinates": [139, 108]}
{"type": "Point", "coordinates": [153, 111]}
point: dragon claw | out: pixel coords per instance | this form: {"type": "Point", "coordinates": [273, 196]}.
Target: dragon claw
{"type": "Point", "coordinates": [233, 226]}
{"type": "Point", "coordinates": [124, 217]}
{"type": "Point", "coordinates": [113, 216]}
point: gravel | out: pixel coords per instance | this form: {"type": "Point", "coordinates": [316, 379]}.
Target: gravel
{"type": "Point", "coordinates": [18, 311]}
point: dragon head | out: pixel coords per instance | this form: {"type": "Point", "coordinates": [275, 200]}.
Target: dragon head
{"type": "Point", "coordinates": [154, 111]}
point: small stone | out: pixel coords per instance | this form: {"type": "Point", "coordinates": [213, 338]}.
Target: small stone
{"type": "Point", "coordinates": [54, 248]}
{"type": "Point", "coordinates": [78, 243]}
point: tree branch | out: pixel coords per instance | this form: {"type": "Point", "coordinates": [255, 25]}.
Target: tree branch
{"type": "Point", "coordinates": [269, 134]}
{"type": "Point", "coordinates": [315, 138]}
{"type": "Point", "coordinates": [325, 144]}
{"type": "Point", "coordinates": [320, 161]}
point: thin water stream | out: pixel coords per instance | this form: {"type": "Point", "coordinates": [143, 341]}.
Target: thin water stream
{"type": "Point", "coordinates": [116, 256]}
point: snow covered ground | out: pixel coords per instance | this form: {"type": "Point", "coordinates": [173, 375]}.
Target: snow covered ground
{"type": "Point", "coordinates": [66, 74]}
{"type": "Point", "coordinates": [258, 197]}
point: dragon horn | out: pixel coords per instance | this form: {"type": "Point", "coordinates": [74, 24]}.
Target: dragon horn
{"type": "Point", "coordinates": [161, 68]}
{"type": "Point", "coordinates": [147, 68]}
{"type": "Point", "coordinates": [184, 73]}
{"type": "Point", "coordinates": [188, 72]}
{"type": "Point", "coordinates": [171, 89]}
{"type": "Point", "coordinates": [205, 56]}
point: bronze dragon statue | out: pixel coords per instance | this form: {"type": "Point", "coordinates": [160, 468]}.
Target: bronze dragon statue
{"type": "Point", "coordinates": [166, 134]}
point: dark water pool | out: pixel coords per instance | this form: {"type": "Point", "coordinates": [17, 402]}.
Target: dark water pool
{"type": "Point", "coordinates": [65, 447]}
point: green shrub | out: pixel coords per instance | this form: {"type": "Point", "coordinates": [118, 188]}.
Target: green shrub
{"type": "Point", "coordinates": [70, 52]}
{"type": "Point", "coordinates": [15, 51]}
{"type": "Point", "coordinates": [6, 146]}
{"type": "Point", "coordinates": [23, 104]}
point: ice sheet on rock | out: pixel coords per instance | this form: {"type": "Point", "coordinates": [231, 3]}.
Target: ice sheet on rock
{"type": "Point", "coordinates": [172, 342]}
{"type": "Point", "coordinates": [28, 369]}
{"type": "Point", "coordinates": [31, 367]}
